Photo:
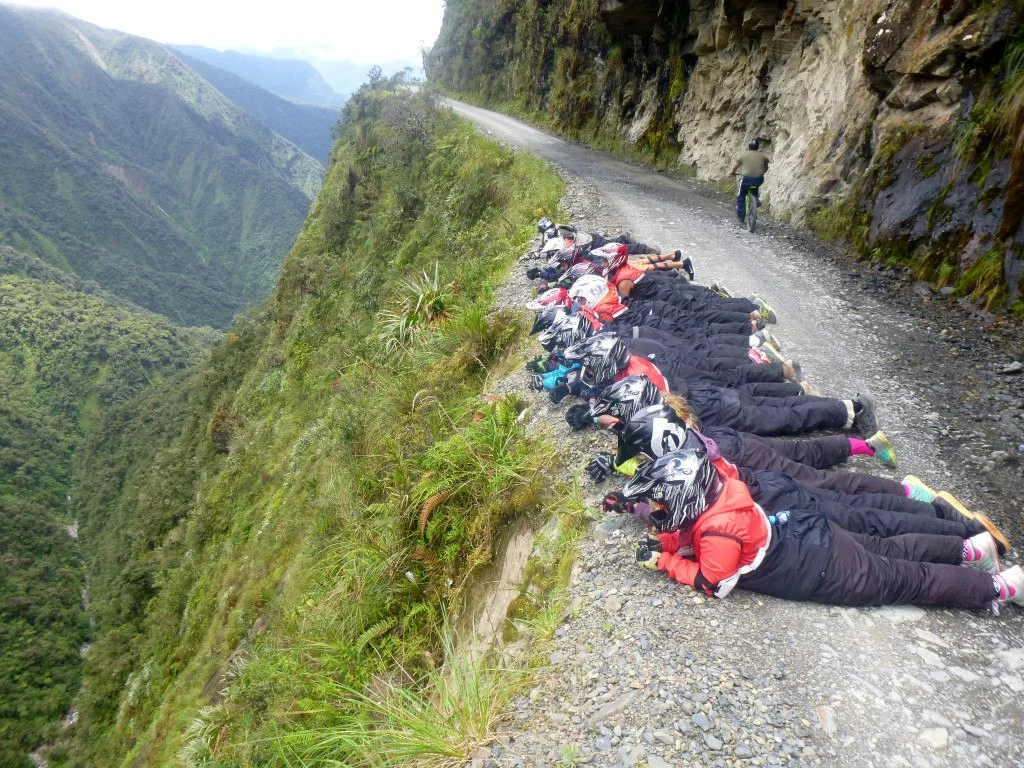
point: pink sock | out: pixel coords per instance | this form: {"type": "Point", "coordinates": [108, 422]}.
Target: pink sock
{"type": "Point", "coordinates": [906, 491]}
{"type": "Point", "coordinates": [971, 553]}
{"type": "Point", "coordinates": [860, 448]}
{"type": "Point", "coordinates": [1003, 590]}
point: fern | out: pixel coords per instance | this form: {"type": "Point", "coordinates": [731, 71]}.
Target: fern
{"type": "Point", "coordinates": [374, 631]}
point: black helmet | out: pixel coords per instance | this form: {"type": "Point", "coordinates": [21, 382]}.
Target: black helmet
{"type": "Point", "coordinates": [544, 224]}
{"type": "Point", "coordinates": [754, 144]}
{"type": "Point", "coordinates": [624, 398]}
{"type": "Point", "coordinates": [546, 316]}
{"type": "Point", "coordinates": [568, 254]}
{"type": "Point", "coordinates": [685, 481]}
{"type": "Point", "coordinates": [567, 331]}
{"type": "Point", "coordinates": [602, 357]}
{"type": "Point", "coordinates": [655, 431]}
{"type": "Point", "coordinates": [567, 231]}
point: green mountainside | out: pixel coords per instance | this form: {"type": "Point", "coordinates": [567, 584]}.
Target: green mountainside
{"type": "Point", "coordinates": [125, 167]}
{"type": "Point", "coordinates": [291, 79]}
{"type": "Point", "coordinates": [307, 127]}
{"type": "Point", "coordinates": [302, 514]}
{"type": "Point", "coordinates": [65, 360]}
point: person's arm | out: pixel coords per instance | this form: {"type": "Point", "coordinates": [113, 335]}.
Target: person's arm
{"type": "Point", "coordinates": [625, 287]}
{"type": "Point", "coordinates": [734, 167]}
{"type": "Point", "coordinates": [719, 561]}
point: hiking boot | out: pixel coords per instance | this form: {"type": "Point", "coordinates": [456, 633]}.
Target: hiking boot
{"type": "Point", "coordinates": [1011, 585]}
{"type": "Point", "coordinates": [917, 490]}
{"type": "Point", "coordinates": [809, 389]}
{"type": "Point", "coordinates": [766, 312]}
{"type": "Point", "coordinates": [791, 372]}
{"type": "Point", "coordinates": [884, 454]}
{"type": "Point", "coordinates": [864, 423]}
{"type": "Point", "coordinates": [772, 353]}
{"type": "Point", "coordinates": [981, 551]}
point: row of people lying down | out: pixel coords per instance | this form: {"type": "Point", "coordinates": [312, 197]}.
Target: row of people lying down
{"type": "Point", "coordinates": [733, 504]}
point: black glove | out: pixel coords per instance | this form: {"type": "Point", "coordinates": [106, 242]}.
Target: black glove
{"type": "Point", "coordinates": [578, 416]}
{"type": "Point", "coordinates": [559, 392]}
{"type": "Point", "coordinates": [600, 467]}
{"type": "Point", "coordinates": [536, 382]}
{"type": "Point", "coordinates": [647, 557]}
{"type": "Point", "coordinates": [542, 289]}
{"type": "Point", "coordinates": [532, 273]}
{"type": "Point", "coordinates": [615, 501]}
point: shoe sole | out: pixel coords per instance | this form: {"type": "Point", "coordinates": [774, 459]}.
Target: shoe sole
{"type": "Point", "coordinates": [915, 480]}
{"type": "Point", "coordinates": [880, 437]}
{"type": "Point", "coordinates": [867, 403]}
{"type": "Point", "coordinates": [809, 389]}
{"type": "Point", "coordinates": [772, 353]}
{"type": "Point", "coordinates": [979, 517]}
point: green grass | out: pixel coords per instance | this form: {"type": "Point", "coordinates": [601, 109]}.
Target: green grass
{"type": "Point", "coordinates": [319, 502]}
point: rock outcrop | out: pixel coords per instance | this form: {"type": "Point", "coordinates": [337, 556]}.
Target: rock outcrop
{"type": "Point", "coordinates": [881, 119]}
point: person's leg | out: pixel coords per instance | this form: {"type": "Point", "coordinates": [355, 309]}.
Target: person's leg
{"type": "Point", "coordinates": [894, 500]}
{"type": "Point", "coordinates": [858, 577]}
{"type": "Point", "coordinates": [770, 391]}
{"type": "Point", "coordinates": [918, 547]}
{"type": "Point", "coordinates": [741, 200]}
{"type": "Point", "coordinates": [817, 452]}
{"type": "Point", "coordinates": [786, 420]}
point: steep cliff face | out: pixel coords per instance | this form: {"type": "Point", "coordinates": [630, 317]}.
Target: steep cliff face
{"type": "Point", "coordinates": [887, 122]}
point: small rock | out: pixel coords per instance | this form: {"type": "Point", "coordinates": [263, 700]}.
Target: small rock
{"type": "Point", "coordinates": [964, 674]}
{"type": "Point", "coordinates": [935, 738]}
{"type": "Point", "coordinates": [1012, 659]}
{"type": "Point", "coordinates": [612, 604]}
{"type": "Point", "coordinates": [743, 752]}
{"type": "Point", "coordinates": [931, 716]}
{"type": "Point", "coordinates": [603, 744]}
{"type": "Point", "coordinates": [1015, 367]}
{"type": "Point", "coordinates": [653, 761]}
{"type": "Point", "coordinates": [664, 738]}
{"type": "Point", "coordinates": [827, 719]}
{"type": "Point", "coordinates": [713, 742]}
{"type": "Point", "coordinates": [701, 721]}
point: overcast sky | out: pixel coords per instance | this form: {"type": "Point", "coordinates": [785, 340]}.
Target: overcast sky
{"type": "Point", "coordinates": [363, 31]}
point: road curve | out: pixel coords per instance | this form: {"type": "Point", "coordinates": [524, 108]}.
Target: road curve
{"type": "Point", "coordinates": [898, 686]}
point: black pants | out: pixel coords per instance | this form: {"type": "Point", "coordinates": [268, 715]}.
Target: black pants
{"type": "Point", "coordinates": [777, 492]}
{"type": "Point", "coordinates": [688, 317]}
{"type": "Point", "coordinates": [712, 351]}
{"type": "Point", "coordinates": [896, 502]}
{"type": "Point", "coordinates": [689, 329]}
{"type": "Point", "coordinates": [914, 569]}
{"type": "Point", "coordinates": [818, 452]}
{"type": "Point", "coordinates": [792, 416]}
{"type": "Point", "coordinates": [680, 362]}
{"type": "Point", "coordinates": [694, 301]}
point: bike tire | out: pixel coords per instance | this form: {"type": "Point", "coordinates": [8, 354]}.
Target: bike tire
{"type": "Point", "coordinates": [751, 212]}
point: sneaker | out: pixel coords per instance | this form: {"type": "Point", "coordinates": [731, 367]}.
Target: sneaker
{"type": "Point", "coordinates": [864, 423]}
{"type": "Point", "coordinates": [767, 337]}
{"type": "Point", "coordinates": [767, 313]}
{"type": "Point", "coordinates": [884, 454]}
{"type": "Point", "coordinates": [949, 499]}
{"type": "Point", "coordinates": [1011, 585]}
{"type": "Point", "coordinates": [772, 353]}
{"type": "Point", "coordinates": [983, 552]}
{"type": "Point", "coordinates": [720, 289]}
{"type": "Point", "coordinates": [918, 491]}
{"type": "Point", "coordinates": [809, 389]}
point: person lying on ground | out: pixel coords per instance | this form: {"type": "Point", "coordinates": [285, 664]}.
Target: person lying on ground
{"type": "Point", "coordinates": [705, 511]}
{"type": "Point", "coordinates": [604, 359]}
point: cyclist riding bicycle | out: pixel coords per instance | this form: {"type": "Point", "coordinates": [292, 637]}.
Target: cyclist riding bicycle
{"type": "Point", "coordinates": [752, 166]}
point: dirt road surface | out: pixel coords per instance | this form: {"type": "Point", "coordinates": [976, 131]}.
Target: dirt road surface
{"type": "Point", "coordinates": [647, 672]}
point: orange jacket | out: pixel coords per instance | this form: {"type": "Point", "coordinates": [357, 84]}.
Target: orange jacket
{"type": "Point", "coordinates": [728, 539]}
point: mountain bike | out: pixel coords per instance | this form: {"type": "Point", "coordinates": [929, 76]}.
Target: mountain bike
{"type": "Point", "coordinates": [750, 204]}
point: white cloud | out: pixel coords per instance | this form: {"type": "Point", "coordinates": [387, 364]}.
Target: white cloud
{"type": "Point", "coordinates": [363, 31]}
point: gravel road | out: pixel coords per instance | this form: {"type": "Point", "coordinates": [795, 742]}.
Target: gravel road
{"type": "Point", "coordinates": [645, 671]}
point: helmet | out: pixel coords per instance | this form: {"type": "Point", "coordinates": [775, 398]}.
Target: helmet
{"type": "Point", "coordinates": [551, 297]}
{"type": "Point", "coordinates": [552, 246]}
{"type": "Point", "coordinates": [567, 331]}
{"type": "Point", "coordinates": [655, 430]}
{"type": "Point", "coordinates": [576, 271]}
{"type": "Point", "coordinates": [544, 224]}
{"type": "Point", "coordinates": [685, 481]}
{"type": "Point", "coordinates": [602, 357]}
{"type": "Point", "coordinates": [567, 231]}
{"type": "Point", "coordinates": [610, 257]}
{"type": "Point", "coordinates": [584, 240]}
{"type": "Point", "coordinates": [626, 397]}
{"type": "Point", "coordinates": [589, 289]}
{"type": "Point", "coordinates": [569, 254]}
{"type": "Point", "coordinates": [754, 144]}
{"type": "Point", "coordinates": [546, 316]}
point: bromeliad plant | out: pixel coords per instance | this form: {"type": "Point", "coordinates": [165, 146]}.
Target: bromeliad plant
{"type": "Point", "coordinates": [425, 302]}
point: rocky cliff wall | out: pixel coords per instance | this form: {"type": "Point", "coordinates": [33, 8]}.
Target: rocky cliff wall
{"type": "Point", "coordinates": [888, 123]}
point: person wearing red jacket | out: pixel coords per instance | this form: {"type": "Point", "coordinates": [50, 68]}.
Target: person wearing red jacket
{"type": "Point", "coordinates": [714, 538]}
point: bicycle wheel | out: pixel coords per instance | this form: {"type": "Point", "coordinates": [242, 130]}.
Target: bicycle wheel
{"type": "Point", "coordinates": [751, 211]}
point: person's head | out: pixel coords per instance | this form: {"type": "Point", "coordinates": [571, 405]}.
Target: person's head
{"type": "Point", "coordinates": [602, 356]}
{"type": "Point", "coordinates": [609, 258]}
{"type": "Point", "coordinates": [620, 401]}
{"type": "Point", "coordinates": [754, 144]}
{"type": "Point", "coordinates": [546, 316]}
{"type": "Point", "coordinates": [567, 331]}
{"type": "Point", "coordinates": [679, 487]}
{"type": "Point", "coordinates": [590, 289]}
{"type": "Point", "coordinates": [653, 432]}
{"type": "Point", "coordinates": [568, 254]}
{"type": "Point", "coordinates": [550, 298]}
{"type": "Point", "coordinates": [576, 271]}
{"type": "Point", "coordinates": [567, 231]}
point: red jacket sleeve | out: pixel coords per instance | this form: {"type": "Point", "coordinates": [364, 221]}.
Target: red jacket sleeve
{"type": "Point", "coordinates": [719, 559]}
